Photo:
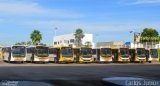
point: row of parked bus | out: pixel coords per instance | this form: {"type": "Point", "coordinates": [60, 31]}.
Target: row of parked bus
{"type": "Point", "coordinates": [63, 54]}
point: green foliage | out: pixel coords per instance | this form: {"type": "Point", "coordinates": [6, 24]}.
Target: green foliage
{"type": "Point", "coordinates": [42, 44]}
{"type": "Point", "coordinates": [88, 44]}
{"type": "Point", "coordinates": [36, 37]}
{"type": "Point", "coordinates": [29, 43]}
{"type": "Point", "coordinates": [78, 36]}
{"type": "Point", "coordinates": [149, 34]}
{"type": "Point", "coordinates": [24, 43]}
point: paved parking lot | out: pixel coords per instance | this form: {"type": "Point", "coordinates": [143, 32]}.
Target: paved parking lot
{"type": "Point", "coordinates": [77, 72]}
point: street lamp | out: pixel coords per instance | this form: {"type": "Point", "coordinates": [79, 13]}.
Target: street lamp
{"type": "Point", "coordinates": [131, 40]}
{"type": "Point", "coordinates": [136, 37]}
{"type": "Point", "coordinates": [55, 33]}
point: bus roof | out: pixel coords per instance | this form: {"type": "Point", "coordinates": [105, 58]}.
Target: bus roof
{"type": "Point", "coordinates": [18, 46]}
{"type": "Point", "coordinates": [114, 48]}
{"type": "Point", "coordinates": [132, 48]}
{"type": "Point", "coordinates": [59, 46]}
{"type": "Point", "coordinates": [105, 48]}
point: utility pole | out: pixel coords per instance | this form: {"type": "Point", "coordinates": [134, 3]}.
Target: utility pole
{"type": "Point", "coordinates": [96, 47]}
{"type": "Point", "coordinates": [55, 33]}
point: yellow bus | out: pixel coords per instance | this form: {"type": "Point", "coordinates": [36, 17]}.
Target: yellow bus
{"type": "Point", "coordinates": [137, 54]}
{"type": "Point", "coordinates": [120, 55]}
{"type": "Point", "coordinates": [16, 53]}
{"type": "Point", "coordinates": [37, 53]}
{"type": "Point", "coordinates": [86, 55]}
{"type": "Point", "coordinates": [64, 54]}
{"type": "Point", "coordinates": [105, 55]}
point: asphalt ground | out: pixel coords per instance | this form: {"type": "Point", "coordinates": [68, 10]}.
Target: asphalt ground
{"type": "Point", "coordinates": [90, 74]}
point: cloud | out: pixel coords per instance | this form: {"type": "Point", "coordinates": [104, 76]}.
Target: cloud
{"type": "Point", "coordinates": [139, 2]}
{"type": "Point", "coordinates": [70, 26]}
{"type": "Point", "coordinates": [147, 2]}
{"type": "Point", "coordinates": [21, 8]}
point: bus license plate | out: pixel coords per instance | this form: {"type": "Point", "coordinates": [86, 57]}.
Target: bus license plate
{"type": "Point", "coordinates": [68, 60]}
{"type": "Point", "coordinates": [18, 59]}
{"type": "Point", "coordinates": [41, 59]}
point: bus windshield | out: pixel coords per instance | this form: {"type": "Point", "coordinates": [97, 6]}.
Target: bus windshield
{"type": "Point", "coordinates": [106, 52]}
{"type": "Point", "coordinates": [42, 51]}
{"type": "Point", "coordinates": [86, 51]}
{"type": "Point", "coordinates": [141, 52]}
{"type": "Point", "coordinates": [154, 53]}
{"type": "Point", "coordinates": [67, 52]}
{"type": "Point", "coordinates": [18, 51]}
{"type": "Point", "coordinates": [52, 51]}
{"type": "Point", "coordinates": [30, 50]}
{"type": "Point", "coordinates": [76, 51]}
{"type": "Point", "coordinates": [94, 51]}
{"type": "Point", "coordinates": [124, 52]}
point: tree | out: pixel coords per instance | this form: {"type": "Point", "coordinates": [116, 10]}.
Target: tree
{"type": "Point", "coordinates": [149, 34]}
{"type": "Point", "coordinates": [24, 43]}
{"type": "Point", "coordinates": [20, 43]}
{"type": "Point", "coordinates": [42, 44]}
{"type": "Point", "coordinates": [36, 37]}
{"type": "Point", "coordinates": [78, 36]}
{"type": "Point", "coordinates": [88, 44]}
{"type": "Point", "coordinates": [29, 43]}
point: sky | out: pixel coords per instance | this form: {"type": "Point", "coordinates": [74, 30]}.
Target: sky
{"type": "Point", "coordinates": [107, 20]}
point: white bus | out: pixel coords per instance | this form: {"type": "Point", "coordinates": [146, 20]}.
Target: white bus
{"type": "Point", "coordinates": [53, 53]}
{"type": "Point", "coordinates": [16, 53]}
{"type": "Point", "coordinates": [106, 55]}
{"type": "Point", "coordinates": [38, 54]}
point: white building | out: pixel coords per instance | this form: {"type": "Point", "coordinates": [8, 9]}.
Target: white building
{"type": "Point", "coordinates": [109, 44]}
{"type": "Point", "coordinates": [69, 39]}
{"type": "Point", "coordinates": [134, 45]}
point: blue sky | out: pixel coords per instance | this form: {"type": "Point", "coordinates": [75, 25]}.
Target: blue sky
{"type": "Point", "coordinates": [110, 19]}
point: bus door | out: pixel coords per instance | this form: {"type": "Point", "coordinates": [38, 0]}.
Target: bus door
{"type": "Point", "coordinates": [115, 53]}
{"type": "Point", "coordinates": [52, 54]}
{"type": "Point", "coordinates": [96, 55]}
{"type": "Point", "coordinates": [76, 54]}
{"type": "Point", "coordinates": [154, 54]}
{"type": "Point", "coordinates": [147, 55]}
{"type": "Point", "coordinates": [30, 54]}
{"type": "Point", "coordinates": [132, 54]}
{"type": "Point", "coordinates": [57, 54]}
